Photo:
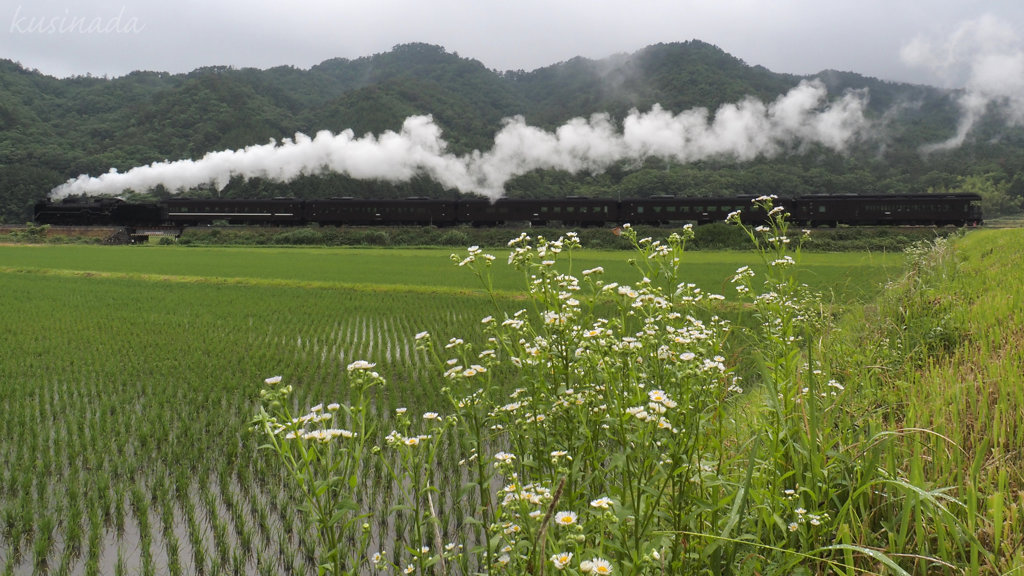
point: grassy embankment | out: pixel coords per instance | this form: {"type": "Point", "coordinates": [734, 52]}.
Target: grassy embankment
{"type": "Point", "coordinates": [941, 359]}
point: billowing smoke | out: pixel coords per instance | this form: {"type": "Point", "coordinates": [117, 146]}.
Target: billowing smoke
{"type": "Point", "coordinates": [986, 57]}
{"type": "Point", "coordinates": [743, 131]}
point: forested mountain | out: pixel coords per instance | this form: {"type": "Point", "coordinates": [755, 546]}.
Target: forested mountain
{"type": "Point", "coordinates": [54, 129]}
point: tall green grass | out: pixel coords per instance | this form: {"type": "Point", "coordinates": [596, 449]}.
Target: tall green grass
{"type": "Point", "coordinates": [944, 360]}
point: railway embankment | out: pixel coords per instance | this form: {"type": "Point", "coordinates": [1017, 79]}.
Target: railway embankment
{"type": "Point", "coordinates": [49, 233]}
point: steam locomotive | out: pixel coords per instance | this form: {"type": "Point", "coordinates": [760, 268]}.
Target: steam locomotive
{"type": "Point", "coordinates": [806, 210]}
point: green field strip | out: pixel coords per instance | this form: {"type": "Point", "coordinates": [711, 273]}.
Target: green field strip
{"type": "Point", "coordinates": [256, 282]}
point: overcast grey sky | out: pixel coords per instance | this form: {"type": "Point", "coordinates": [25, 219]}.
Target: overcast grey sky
{"type": "Point", "coordinates": [114, 37]}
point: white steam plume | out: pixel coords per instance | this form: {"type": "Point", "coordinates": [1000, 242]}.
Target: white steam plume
{"type": "Point", "coordinates": [986, 57]}
{"type": "Point", "coordinates": [743, 131]}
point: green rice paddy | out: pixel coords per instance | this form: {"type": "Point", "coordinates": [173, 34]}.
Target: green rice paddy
{"type": "Point", "coordinates": [848, 275]}
{"type": "Point", "coordinates": [129, 375]}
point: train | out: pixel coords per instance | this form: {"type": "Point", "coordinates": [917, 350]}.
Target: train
{"type": "Point", "coordinates": [805, 210]}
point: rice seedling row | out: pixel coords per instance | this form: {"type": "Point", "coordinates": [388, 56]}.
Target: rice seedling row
{"type": "Point", "coordinates": [121, 397]}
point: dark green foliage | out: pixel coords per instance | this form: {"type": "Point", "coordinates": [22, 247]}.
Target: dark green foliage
{"type": "Point", "coordinates": [298, 236]}
{"type": "Point", "coordinates": [708, 237]}
{"type": "Point", "coordinates": [54, 129]}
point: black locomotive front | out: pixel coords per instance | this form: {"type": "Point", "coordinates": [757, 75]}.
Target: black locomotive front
{"type": "Point", "coordinates": [76, 212]}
